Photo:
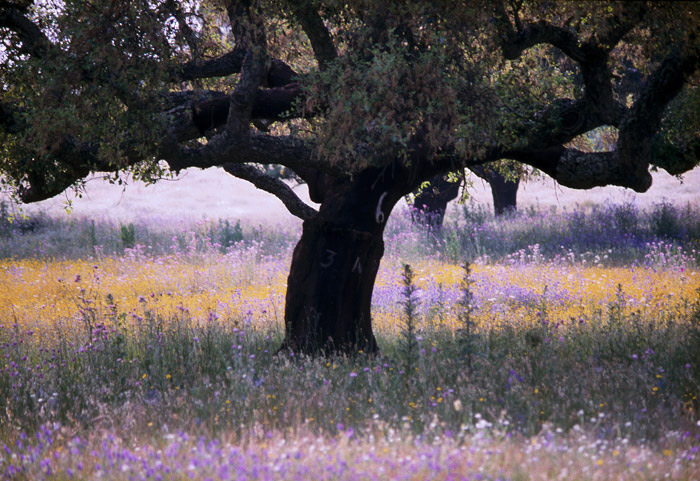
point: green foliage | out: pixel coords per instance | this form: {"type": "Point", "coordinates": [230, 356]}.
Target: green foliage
{"type": "Point", "coordinates": [667, 222]}
{"type": "Point", "coordinates": [227, 235]}
{"type": "Point", "coordinates": [676, 147]}
{"type": "Point", "coordinates": [379, 97]}
{"type": "Point", "coordinates": [412, 80]}
{"type": "Point", "coordinates": [99, 85]}
{"type": "Point", "coordinates": [127, 234]}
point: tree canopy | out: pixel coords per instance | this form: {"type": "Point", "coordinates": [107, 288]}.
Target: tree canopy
{"type": "Point", "coordinates": [363, 100]}
{"type": "Point", "coordinates": [107, 86]}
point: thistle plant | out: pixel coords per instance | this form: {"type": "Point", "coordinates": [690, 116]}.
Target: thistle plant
{"type": "Point", "coordinates": [466, 310]}
{"type": "Point", "coordinates": [409, 342]}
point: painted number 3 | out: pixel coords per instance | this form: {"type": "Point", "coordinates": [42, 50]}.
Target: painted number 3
{"type": "Point", "coordinates": [328, 258]}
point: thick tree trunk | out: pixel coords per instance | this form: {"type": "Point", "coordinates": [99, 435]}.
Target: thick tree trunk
{"type": "Point", "coordinates": [334, 267]}
{"type": "Point", "coordinates": [329, 290]}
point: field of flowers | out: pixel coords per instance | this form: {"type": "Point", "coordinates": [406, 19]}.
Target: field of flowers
{"type": "Point", "coordinates": [150, 352]}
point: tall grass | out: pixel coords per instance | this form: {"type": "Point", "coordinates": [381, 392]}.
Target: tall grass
{"type": "Point", "coordinates": [161, 362]}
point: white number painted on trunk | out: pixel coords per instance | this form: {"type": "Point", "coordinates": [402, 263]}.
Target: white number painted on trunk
{"type": "Point", "coordinates": [379, 215]}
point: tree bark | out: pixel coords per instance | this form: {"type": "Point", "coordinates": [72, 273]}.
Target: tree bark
{"type": "Point", "coordinates": [329, 289]}
{"type": "Point", "coordinates": [430, 205]}
{"type": "Point", "coordinates": [334, 267]}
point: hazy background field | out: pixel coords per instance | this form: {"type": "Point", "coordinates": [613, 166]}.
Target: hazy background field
{"type": "Point", "coordinates": [212, 194]}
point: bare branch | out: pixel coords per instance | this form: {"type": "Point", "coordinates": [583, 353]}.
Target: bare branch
{"type": "Point", "coordinates": [274, 186]}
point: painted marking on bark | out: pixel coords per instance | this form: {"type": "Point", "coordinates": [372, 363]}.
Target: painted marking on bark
{"type": "Point", "coordinates": [330, 255]}
{"type": "Point", "coordinates": [379, 215]}
{"type": "Point", "coordinates": [357, 267]}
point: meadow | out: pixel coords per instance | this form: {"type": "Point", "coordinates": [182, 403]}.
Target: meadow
{"type": "Point", "coordinates": [566, 347]}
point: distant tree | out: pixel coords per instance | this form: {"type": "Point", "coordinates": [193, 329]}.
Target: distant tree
{"type": "Point", "coordinates": [429, 203]}
{"type": "Point", "coordinates": [504, 187]}
{"type": "Point", "coordinates": [362, 100]}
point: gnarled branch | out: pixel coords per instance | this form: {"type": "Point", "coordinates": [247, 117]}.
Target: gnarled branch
{"type": "Point", "coordinates": [636, 136]}
{"type": "Point", "coordinates": [583, 170]}
{"type": "Point", "coordinates": [515, 42]}
{"type": "Point", "coordinates": [274, 186]}
{"type": "Point", "coordinates": [227, 64]}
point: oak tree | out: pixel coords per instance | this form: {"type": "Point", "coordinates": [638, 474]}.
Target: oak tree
{"type": "Point", "coordinates": [363, 100]}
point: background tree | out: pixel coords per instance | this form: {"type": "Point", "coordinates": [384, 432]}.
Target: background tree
{"type": "Point", "coordinates": [362, 100]}
{"type": "Point", "coordinates": [429, 202]}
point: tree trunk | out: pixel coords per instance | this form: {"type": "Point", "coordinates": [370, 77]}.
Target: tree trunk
{"type": "Point", "coordinates": [329, 290]}
{"type": "Point", "coordinates": [505, 194]}
{"type": "Point", "coordinates": [334, 267]}
{"type": "Point", "coordinates": [429, 205]}
{"type": "Point", "coordinates": [503, 191]}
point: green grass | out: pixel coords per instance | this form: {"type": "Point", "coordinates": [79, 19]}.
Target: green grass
{"type": "Point", "coordinates": [618, 376]}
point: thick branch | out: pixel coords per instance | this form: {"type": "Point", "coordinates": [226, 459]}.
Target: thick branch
{"type": "Point", "coordinates": [259, 148]}
{"type": "Point", "coordinates": [274, 186]}
{"type": "Point", "coordinates": [72, 162]}
{"type": "Point", "coordinates": [591, 55]}
{"type": "Point", "coordinates": [243, 96]}
{"type": "Point", "coordinates": [637, 131]}
{"type": "Point", "coordinates": [34, 42]}
{"type": "Point", "coordinates": [315, 29]}
{"type": "Point", "coordinates": [515, 42]}
{"type": "Point", "coordinates": [223, 66]}
{"type": "Point", "coordinates": [269, 104]}
{"type": "Point", "coordinates": [583, 170]}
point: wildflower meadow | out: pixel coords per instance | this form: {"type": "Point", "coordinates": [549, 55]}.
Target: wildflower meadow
{"type": "Point", "coordinates": [540, 345]}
